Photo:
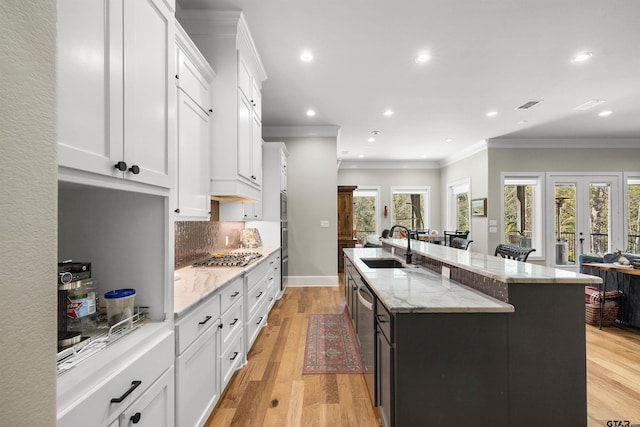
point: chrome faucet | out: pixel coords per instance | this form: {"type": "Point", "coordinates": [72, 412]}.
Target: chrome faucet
{"type": "Point", "coordinates": [408, 254]}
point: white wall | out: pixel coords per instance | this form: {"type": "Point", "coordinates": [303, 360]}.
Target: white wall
{"type": "Point", "coordinates": [28, 206]}
{"type": "Point", "coordinates": [387, 178]}
{"type": "Point", "coordinates": [474, 168]}
{"type": "Point", "coordinates": [312, 197]}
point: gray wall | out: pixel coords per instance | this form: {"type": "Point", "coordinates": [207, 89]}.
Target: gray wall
{"type": "Point", "coordinates": [473, 167]}
{"type": "Point", "coordinates": [28, 200]}
{"type": "Point", "coordinates": [387, 178]}
{"type": "Point", "coordinates": [553, 160]}
{"type": "Point", "coordinates": [312, 197]}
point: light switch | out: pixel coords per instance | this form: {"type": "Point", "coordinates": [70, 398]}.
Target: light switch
{"type": "Point", "coordinates": [493, 222]}
{"type": "Point", "coordinates": [493, 229]}
{"type": "Point", "coordinates": [324, 223]}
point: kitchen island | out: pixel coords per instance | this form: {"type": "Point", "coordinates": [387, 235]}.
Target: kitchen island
{"type": "Point", "coordinates": [499, 343]}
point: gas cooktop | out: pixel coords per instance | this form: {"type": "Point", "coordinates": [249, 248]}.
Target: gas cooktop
{"type": "Point", "coordinates": [228, 259]}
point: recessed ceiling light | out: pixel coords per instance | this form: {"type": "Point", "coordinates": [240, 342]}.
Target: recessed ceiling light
{"type": "Point", "coordinates": [361, 155]}
{"type": "Point", "coordinates": [388, 112]}
{"type": "Point", "coordinates": [590, 104]}
{"type": "Point", "coordinates": [448, 140]}
{"type": "Point", "coordinates": [521, 122]}
{"type": "Point", "coordinates": [605, 113]}
{"type": "Point", "coordinates": [311, 113]}
{"type": "Point", "coordinates": [371, 140]}
{"type": "Point", "coordinates": [582, 56]}
{"type": "Point", "coordinates": [492, 113]}
{"type": "Point", "coordinates": [306, 56]}
{"type": "Point", "coordinates": [423, 57]}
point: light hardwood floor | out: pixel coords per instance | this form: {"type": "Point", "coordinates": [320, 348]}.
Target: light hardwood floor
{"type": "Point", "coordinates": [271, 390]}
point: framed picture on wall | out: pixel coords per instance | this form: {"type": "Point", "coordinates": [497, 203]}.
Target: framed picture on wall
{"type": "Point", "coordinates": [479, 207]}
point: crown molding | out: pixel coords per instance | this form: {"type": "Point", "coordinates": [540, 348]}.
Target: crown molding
{"type": "Point", "coordinates": [604, 143]}
{"type": "Point", "coordinates": [474, 149]}
{"type": "Point", "coordinates": [387, 164]}
{"type": "Point", "coordinates": [300, 131]}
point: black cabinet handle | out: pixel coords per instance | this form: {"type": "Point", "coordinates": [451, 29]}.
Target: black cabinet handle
{"type": "Point", "coordinates": [381, 318]}
{"type": "Point", "coordinates": [134, 385]}
{"type": "Point", "coordinates": [259, 295]}
{"type": "Point", "coordinates": [235, 354]}
{"type": "Point", "coordinates": [221, 325]}
{"type": "Point", "coordinates": [259, 320]}
{"type": "Point", "coordinates": [121, 166]}
{"type": "Point", "coordinates": [206, 319]}
{"type": "Point", "coordinates": [235, 294]}
{"type": "Point", "coordinates": [211, 110]}
{"type": "Point", "coordinates": [134, 169]}
{"type": "Point", "coordinates": [234, 322]}
{"type": "Point", "coordinates": [177, 210]}
{"type": "Point", "coordinates": [135, 417]}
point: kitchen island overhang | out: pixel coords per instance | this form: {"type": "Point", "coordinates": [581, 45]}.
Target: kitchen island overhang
{"type": "Point", "coordinates": [535, 357]}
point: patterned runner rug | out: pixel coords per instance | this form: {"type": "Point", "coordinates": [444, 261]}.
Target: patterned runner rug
{"type": "Point", "coordinates": [331, 346]}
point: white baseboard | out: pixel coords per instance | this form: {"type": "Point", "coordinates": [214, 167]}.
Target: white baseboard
{"type": "Point", "coordinates": [310, 281]}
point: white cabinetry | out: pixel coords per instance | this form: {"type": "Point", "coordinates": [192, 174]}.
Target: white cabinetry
{"type": "Point", "coordinates": [115, 91]}
{"type": "Point", "coordinates": [260, 295]}
{"type": "Point", "coordinates": [193, 79]}
{"type": "Point", "coordinates": [154, 408]}
{"type": "Point", "coordinates": [224, 39]}
{"type": "Point", "coordinates": [197, 373]}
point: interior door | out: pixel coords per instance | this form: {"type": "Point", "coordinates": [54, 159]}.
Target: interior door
{"type": "Point", "coordinates": [587, 217]}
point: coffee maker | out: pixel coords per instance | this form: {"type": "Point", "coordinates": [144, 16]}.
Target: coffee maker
{"type": "Point", "coordinates": [76, 300]}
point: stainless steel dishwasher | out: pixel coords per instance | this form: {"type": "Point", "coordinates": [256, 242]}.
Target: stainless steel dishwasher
{"type": "Point", "coordinates": [366, 334]}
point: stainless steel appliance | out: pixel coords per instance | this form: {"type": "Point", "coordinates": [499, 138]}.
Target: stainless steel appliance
{"type": "Point", "coordinates": [284, 241]}
{"type": "Point", "coordinates": [366, 334]}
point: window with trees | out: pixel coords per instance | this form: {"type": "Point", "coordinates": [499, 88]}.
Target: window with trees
{"type": "Point", "coordinates": [633, 214]}
{"type": "Point", "coordinates": [458, 205]}
{"type": "Point", "coordinates": [522, 210]}
{"type": "Point", "coordinates": [365, 209]}
{"type": "Point", "coordinates": [409, 207]}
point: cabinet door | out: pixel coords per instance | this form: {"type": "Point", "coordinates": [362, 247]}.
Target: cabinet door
{"type": "Point", "coordinates": [154, 408]}
{"type": "Point", "coordinates": [245, 78]}
{"type": "Point", "coordinates": [197, 380]}
{"type": "Point", "coordinates": [149, 95]}
{"type": "Point", "coordinates": [89, 85]}
{"type": "Point", "coordinates": [245, 148]}
{"type": "Point", "coordinates": [193, 159]}
{"type": "Point", "coordinates": [256, 154]}
{"type": "Point", "coordinates": [256, 99]}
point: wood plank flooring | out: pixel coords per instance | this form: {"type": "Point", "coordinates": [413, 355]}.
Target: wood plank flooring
{"type": "Point", "coordinates": [271, 390]}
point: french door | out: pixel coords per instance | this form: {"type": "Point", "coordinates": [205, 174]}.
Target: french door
{"type": "Point", "coordinates": [584, 215]}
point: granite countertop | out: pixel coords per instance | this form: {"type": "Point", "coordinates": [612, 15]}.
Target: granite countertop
{"type": "Point", "coordinates": [500, 269]}
{"type": "Point", "coordinates": [194, 284]}
{"type": "Point", "coordinates": [416, 289]}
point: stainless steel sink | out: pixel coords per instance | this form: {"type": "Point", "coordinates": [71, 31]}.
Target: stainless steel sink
{"type": "Point", "coordinates": [382, 263]}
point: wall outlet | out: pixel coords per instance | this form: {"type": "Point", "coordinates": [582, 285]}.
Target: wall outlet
{"type": "Point", "coordinates": [324, 223]}
{"type": "Point", "coordinates": [446, 272]}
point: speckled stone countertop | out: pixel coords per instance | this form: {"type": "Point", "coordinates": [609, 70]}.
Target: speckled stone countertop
{"type": "Point", "coordinates": [193, 284]}
{"type": "Point", "coordinates": [499, 269]}
{"type": "Point", "coordinates": [416, 289]}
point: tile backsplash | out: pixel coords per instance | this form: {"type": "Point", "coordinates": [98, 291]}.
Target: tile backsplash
{"type": "Point", "coordinates": [195, 240]}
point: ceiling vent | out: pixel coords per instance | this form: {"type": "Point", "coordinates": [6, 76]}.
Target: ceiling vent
{"type": "Point", "coordinates": [530, 103]}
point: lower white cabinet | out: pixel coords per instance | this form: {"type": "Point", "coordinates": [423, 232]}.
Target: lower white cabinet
{"type": "Point", "coordinates": [197, 384]}
{"type": "Point", "coordinates": [154, 408]}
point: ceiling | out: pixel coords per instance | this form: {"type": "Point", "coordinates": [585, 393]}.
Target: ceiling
{"type": "Point", "coordinates": [486, 55]}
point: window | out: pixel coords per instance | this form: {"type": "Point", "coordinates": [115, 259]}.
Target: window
{"type": "Point", "coordinates": [458, 206]}
{"type": "Point", "coordinates": [522, 211]}
{"type": "Point", "coordinates": [633, 215]}
{"type": "Point", "coordinates": [365, 213]}
{"type": "Point", "coordinates": [409, 207]}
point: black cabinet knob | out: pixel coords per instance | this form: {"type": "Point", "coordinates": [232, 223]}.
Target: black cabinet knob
{"type": "Point", "coordinates": [134, 169]}
{"type": "Point", "coordinates": [177, 210]}
{"type": "Point", "coordinates": [211, 110]}
{"type": "Point", "coordinates": [121, 166]}
{"type": "Point", "coordinates": [135, 417]}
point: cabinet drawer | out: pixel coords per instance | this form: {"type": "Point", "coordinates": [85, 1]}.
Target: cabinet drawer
{"type": "Point", "coordinates": [232, 321]}
{"type": "Point", "coordinates": [256, 296]}
{"type": "Point", "coordinates": [231, 293]}
{"type": "Point", "coordinates": [111, 397]}
{"type": "Point", "coordinates": [155, 408]}
{"type": "Point", "coordinates": [384, 320]}
{"type": "Point", "coordinates": [255, 275]}
{"type": "Point", "coordinates": [256, 322]}
{"type": "Point", "coordinates": [196, 323]}
{"type": "Point", "coordinates": [230, 359]}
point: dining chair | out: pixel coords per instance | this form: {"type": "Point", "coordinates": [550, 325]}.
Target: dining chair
{"type": "Point", "coordinates": [461, 243]}
{"type": "Point", "coordinates": [518, 253]}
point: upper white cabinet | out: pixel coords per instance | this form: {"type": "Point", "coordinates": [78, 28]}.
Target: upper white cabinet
{"type": "Point", "coordinates": [225, 41]}
{"type": "Point", "coordinates": [193, 79]}
{"type": "Point", "coordinates": [115, 88]}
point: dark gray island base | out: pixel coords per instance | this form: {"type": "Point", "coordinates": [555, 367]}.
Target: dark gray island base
{"type": "Point", "coordinates": [445, 356]}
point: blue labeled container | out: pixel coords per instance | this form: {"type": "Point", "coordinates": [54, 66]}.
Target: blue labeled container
{"type": "Point", "coordinates": [120, 306]}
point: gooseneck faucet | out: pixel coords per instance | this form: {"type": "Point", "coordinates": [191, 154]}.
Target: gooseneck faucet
{"type": "Point", "coordinates": [409, 254]}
